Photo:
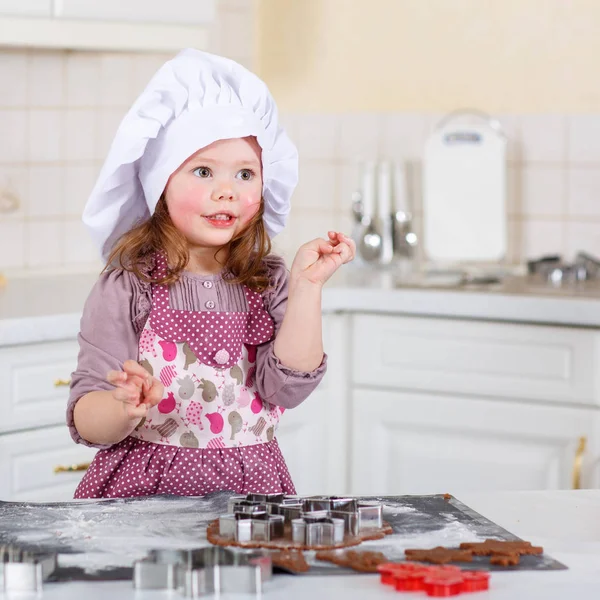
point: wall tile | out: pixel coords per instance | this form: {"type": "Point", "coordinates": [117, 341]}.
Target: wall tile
{"type": "Point", "coordinates": [584, 138]}
{"type": "Point", "coordinates": [108, 120]}
{"type": "Point", "coordinates": [14, 66]}
{"type": "Point", "coordinates": [513, 189]}
{"type": "Point", "coordinates": [45, 245]}
{"type": "Point", "coordinates": [541, 237]}
{"type": "Point", "coordinates": [543, 190]}
{"type": "Point", "coordinates": [81, 131]}
{"type": "Point", "coordinates": [316, 188]}
{"type": "Point", "coordinates": [582, 236]}
{"type": "Point", "coordinates": [544, 138]}
{"type": "Point", "coordinates": [316, 136]}
{"type": "Point", "coordinates": [348, 182]}
{"type": "Point", "coordinates": [360, 136]}
{"type": "Point", "coordinates": [12, 243]}
{"type": "Point", "coordinates": [46, 190]}
{"type": "Point", "coordinates": [79, 248]}
{"type": "Point", "coordinates": [144, 68]}
{"type": "Point", "coordinates": [79, 182]}
{"type": "Point", "coordinates": [46, 79]}
{"type": "Point", "coordinates": [511, 126]}
{"type": "Point", "coordinates": [116, 80]}
{"type": "Point", "coordinates": [308, 225]}
{"type": "Point", "coordinates": [235, 34]}
{"type": "Point", "coordinates": [46, 135]}
{"type": "Point", "coordinates": [13, 190]}
{"type": "Point", "coordinates": [584, 192]}
{"type": "Point", "coordinates": [83, 80]}
{"type": "Point", "coordinates": [403, 136]}
{"type": "Point", "coordinates": [15, 141]}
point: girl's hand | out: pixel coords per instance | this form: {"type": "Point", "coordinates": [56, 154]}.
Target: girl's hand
{"type": "Point", "coordinates": [136, 389]}
{"type": "Point", "coordinates": [318, 260]}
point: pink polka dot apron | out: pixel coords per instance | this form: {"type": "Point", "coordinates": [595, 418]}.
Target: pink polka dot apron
{"type": "Point", "coordinates": [206, 361]}
{"type": "Point", "coordinates": [211, 431]}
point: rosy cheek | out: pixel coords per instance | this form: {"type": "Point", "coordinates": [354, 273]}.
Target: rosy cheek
{"type": "Point", "coordinates": [250, 206]}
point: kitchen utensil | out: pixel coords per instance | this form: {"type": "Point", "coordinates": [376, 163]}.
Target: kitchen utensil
{"type": "Point", "coordinates": [384, 212]}
{"type": "Point", "coordinates": [464, 190]}
{"type": "Point", "coordinates": [210, 570]}
{"type": "Point", "coordinates": [369, 243]}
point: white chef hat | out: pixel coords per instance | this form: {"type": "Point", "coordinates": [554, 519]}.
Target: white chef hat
{"type": "Point", "coordinates": [192, 101]}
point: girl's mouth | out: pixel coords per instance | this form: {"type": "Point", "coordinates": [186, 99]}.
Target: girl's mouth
{"type": "Point", "coordinates": [220, 220]}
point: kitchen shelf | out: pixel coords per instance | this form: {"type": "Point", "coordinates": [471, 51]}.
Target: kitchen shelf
{"type": "Point", "coordinates": [100, 35]}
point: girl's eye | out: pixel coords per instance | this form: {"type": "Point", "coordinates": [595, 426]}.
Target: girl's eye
{"type": "Point", "coordinates": [246, 174]}
{"type": "Point", "coordinates": [202, 172]}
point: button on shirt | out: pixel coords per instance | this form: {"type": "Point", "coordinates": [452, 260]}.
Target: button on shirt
{"type": "Point", "coordinates": [209, 304]}
{"type": "Point", "coordinates": [207, 284]}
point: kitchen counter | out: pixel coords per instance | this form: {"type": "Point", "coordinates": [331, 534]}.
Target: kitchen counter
{"type": "Point", "coordinates": [49, 308]}
{"type": "Point", "coordinates": [565, 523]}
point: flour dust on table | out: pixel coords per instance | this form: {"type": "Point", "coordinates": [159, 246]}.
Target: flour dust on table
{"type": "Point", "coordinates": [103, 538]}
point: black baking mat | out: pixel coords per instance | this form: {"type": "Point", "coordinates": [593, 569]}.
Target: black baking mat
{"type": "Point", "coordinates": [100, 539]}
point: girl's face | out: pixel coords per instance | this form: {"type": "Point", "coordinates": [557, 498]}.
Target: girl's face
{"type": "Point", "coordinates": [215, 193]}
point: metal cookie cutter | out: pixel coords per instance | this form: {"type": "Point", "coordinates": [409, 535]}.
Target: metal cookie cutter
{"type": "Point", "coordinates": [23, 571]}
{"type": "Point", "coordinates": [251, 523]}
{"type": "Point", "coordinates": [359, 516]}
{"type": "Point", "coordinates": [275, 504]}
{"type": "Point", "coordinates": [318, 529]}
{"type": "Point", "coordinates": [203, 571]}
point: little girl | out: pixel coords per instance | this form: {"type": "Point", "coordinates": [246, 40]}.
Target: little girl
{"type": "Point", "coordinates": [195, 339]}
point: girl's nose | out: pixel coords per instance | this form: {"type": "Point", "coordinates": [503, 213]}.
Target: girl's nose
{"type": "Point", "coordinates": [223, 191]}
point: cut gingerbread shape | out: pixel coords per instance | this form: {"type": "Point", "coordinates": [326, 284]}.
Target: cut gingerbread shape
{"type": "Point", "coordinates": [439, 555]}
{"type": "Point", "coordinates": [363, 561]}
{"type": "Point", "coordinates": [490, 547]}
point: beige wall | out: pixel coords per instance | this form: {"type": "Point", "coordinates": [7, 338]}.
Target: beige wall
{"type": "Point", "coordinates": [431, 55]}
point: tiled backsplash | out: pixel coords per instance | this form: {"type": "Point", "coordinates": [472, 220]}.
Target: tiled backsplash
{"type": "Point", "coordinates": [59, 111]}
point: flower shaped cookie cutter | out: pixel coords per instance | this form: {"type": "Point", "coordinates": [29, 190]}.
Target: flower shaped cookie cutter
{"type": "Point", "coordinates": [197, 572]}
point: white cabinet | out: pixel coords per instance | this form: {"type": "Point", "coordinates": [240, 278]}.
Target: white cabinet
{"type": "Point", "coordinates": [26, 8]}
{"type": "Point", "coordinates": [417, 443]}
{"type": "Point", "coordinates": [107, 25]}
{"type": "Point", "coordinates": [441, 405]}
{"type": "Point", "coordinates": [184, 12]}
{"type": "Point", "coordinates": [34, 383]}
{"type": "Point", "coordinates": [313, 436]}
{"type": "Point", "coordinates": [28, 460]}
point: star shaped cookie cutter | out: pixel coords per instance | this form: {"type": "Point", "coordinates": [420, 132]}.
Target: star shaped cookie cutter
{"type": "Point", "coordinates": [22, 571]}
{"type": "Point", "coordinates": [201, 571]}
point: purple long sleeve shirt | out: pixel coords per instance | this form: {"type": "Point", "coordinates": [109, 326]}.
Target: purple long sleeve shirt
{"type": "Point", "coordinates": [119, 304]}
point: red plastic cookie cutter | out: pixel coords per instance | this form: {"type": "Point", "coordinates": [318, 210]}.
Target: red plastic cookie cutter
{"type": "Point", "coordinates": [436, 581]}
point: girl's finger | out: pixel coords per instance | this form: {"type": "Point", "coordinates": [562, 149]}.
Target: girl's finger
{"type": "Point", "coordinates": [153, 394]}
{"type": "Point", "coordinates": [115, 377]}
{"type": "Point", "coordinates": [136, 412]}
{"type": "Point", "coordinates": [126, 396]}
{"type": "Point", "coordinates": [133, 368]}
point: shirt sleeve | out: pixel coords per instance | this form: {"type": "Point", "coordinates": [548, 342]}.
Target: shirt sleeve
{"type": "Point", "coordinates": [113, 317]}
{"type": "Point", "coordinates": [276, 383]}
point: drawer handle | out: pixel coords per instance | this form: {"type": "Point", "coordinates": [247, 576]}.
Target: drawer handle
{"type": "Point", "coordinates": [61, 382]}
{"type": "Point", "coordinates": [577, 463]}
{"type": "Point", "coordinates": [71, 468]}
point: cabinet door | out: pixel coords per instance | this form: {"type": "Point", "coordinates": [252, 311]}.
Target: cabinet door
{"type": "Point", "coordinates": [413, 443]}
{"type": "Point", "coordinates": [26, 8]}
{"type": "Point", "coordinates": [34, 383]}
{"type": "Point", "coordinates": [183, 12]}
{"type": "Point", "coordinates": [28, 460]}
{"type": "Point", "coordinates": [313, 436]}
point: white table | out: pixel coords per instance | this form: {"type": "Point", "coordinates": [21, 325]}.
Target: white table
{"type": "Point", "coordinates": [566, 523]}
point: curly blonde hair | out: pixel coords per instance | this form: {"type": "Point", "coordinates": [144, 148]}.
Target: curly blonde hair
{"type": "Point", "coordinates": [245, 261]}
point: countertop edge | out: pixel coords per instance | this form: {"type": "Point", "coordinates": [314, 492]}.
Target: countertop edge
{"type": "Point", "coordinates": [571, 312]}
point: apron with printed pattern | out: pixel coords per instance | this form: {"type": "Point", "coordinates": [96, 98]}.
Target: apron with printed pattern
{"type": "Point", "coordinates": [207, 364]}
